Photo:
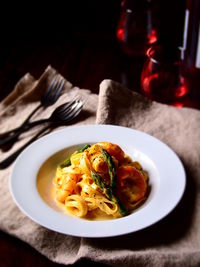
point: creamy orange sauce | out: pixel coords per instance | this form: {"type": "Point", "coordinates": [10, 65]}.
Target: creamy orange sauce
{"type": "Point", "coordinates": [47, 190]}
{"type": "Point", "coordinates": [98, 215]}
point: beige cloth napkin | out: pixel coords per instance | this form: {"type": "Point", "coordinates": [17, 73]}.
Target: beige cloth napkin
{"type": "Point", "coordinates": [174, 241]}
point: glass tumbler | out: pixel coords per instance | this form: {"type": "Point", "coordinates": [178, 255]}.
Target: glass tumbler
{"type": "Point", "coordinates": [163, 78]}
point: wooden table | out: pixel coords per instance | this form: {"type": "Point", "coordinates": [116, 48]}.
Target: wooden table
{"type": "Point", "coordinates": [84, 57]}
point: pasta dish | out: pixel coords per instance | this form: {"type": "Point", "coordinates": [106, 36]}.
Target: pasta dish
{"type": "Point", "coordinates": [100, 181]}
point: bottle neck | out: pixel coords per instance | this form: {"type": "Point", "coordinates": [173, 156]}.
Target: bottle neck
{"type": "Point", "coordinates": [191, 38]}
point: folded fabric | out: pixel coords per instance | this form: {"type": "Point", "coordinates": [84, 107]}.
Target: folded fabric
{"type": "Point", "coordinates": [174, 241]}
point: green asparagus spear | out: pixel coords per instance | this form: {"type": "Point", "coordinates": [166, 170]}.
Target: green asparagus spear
{"type": "Point", "coordinates": [111, 168]}
{"type": "Point", "coordinates": [122, 208]}
{"type": "Point", "coordinates": [102, 185]}
{"type": "Point", "coordinates": [83, 148]}
{"type": "Point", "coordinates": [67, 161]}
{"type": "Point", "coordinates": [108, 191]}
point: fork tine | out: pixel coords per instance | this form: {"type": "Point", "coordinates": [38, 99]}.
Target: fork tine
{"type": "Point", "coordinates": [49, 89]}
{"type": "Point", "coordinates": [73, 113]}
{"type": "Point", "coordinates": [64, 108]}
{"type": "Point", "coordinates": [59, 88]}
{"type": "Point", "coordinates": [53, 91]}
{"type": "Point", "coordinates": [69, 109]}
{"type": "Point", "coordinates": [73, 107]}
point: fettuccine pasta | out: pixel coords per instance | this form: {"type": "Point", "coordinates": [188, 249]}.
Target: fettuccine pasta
{"type": "Point", "coordinates": [100, 179]}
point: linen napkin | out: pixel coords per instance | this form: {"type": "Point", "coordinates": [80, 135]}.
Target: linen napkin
{"type": "Point", "coordinates": [174, 241]}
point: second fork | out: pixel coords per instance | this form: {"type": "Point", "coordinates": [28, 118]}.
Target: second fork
{"type": "Point", "coordinates": [49, 98]}
{"type": "Point", "coordinates": [60, 115]}
{"type": "Point", "coordinates": [70, 114]}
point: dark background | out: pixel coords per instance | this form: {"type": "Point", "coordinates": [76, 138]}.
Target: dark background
{"type": "Point", "coordinates": [66, 34]}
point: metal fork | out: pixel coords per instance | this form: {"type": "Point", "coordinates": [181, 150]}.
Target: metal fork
{"type": "Point", "coordinates": [70, 114]}
{"type": "Point", "coordinates": [57, 116]}
{"type": "Point", "coordinates": [49, 98]}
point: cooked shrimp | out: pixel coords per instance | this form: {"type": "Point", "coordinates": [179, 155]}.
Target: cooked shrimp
{"type": "Point", "coordinates": [68, 186]}
{"type": "Point", "coordinates": [113, 149]}
{"type": "Point", "coordinates": [132, 182]}
{"type": "Point", "coordinates": [94, 154]}
{"type": "Point", "coordinates": [99, 164]}
{"type": "Point", "coordinates": [70, 182]}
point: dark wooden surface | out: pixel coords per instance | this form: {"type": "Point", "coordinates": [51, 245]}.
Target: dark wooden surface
{"type": "Point", "coordinates": [84, 51]}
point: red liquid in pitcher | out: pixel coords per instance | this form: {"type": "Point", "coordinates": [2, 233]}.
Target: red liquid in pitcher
{"type": "Point", "coordinates": [164, 87]}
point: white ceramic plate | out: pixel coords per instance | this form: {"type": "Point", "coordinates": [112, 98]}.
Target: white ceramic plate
{"type": "Point", "coordinates": [37, 164]}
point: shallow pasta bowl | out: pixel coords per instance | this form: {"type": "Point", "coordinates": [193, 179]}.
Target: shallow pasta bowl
{"type": "Point", "coordinates": [33, 171]}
